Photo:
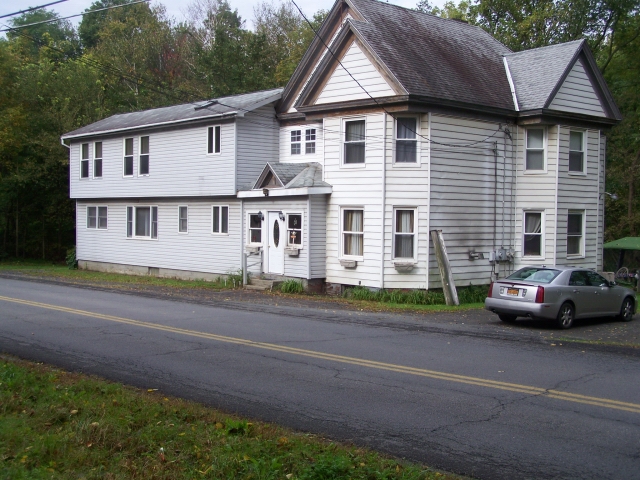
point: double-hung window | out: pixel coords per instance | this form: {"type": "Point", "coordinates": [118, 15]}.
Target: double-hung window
{"type": "Point", "coordinates": [97, 160]}
{"type": "Point", "coordinates": [84, 160]}
{"type": "Point", "coordinates": [534, 149]}
{"type": "Point", "coordinates": [406, 142]}
{"type": "Point", "coordinates": [143, 167]}
{"type": "Point", "coordinates": [296, 142]}
{"type": "Point", "coordinates": [354, 142]}
{"type": "Point", "coordinates": [255, 228]}
{"type": "Point", "coordinates": [353, 232]}
{"type": "Point", "coordinates": [576, 152]}
{"type": "Point", "coordinates": [294, 230]}
{"type": "Point", "coordinates": [310, 141]}
{"type": "Point", "coordinates": [220, 219]}
{"type": "Point", "coordinates": [183, 219]}
{"type": "Point", "coordinates": [404, 234]}
{"type": "Point", "coordinates": [142, 222]}
{"type": "Point", "coordinates": [575, 233]}
{"type": "Point", "coordinates": [213, 139]}
{"type": "Point", "coordinates": [532, 241]}
{"type": "Point", "coordinates": [128, 157]}
{"type": "Point", "coordinates": [97, 217]}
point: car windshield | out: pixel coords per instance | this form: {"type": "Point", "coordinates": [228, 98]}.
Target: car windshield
{"type": "Point", "coordinates": [535, 274]}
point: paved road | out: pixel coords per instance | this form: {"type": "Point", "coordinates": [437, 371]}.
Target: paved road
{"type": "Point", "coordinates": [489, 408]}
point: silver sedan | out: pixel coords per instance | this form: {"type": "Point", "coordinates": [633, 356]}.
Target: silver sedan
{"type": "Point", "coordinates": [562, 294]}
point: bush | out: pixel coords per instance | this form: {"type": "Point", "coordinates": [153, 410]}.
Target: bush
{"type": "Point", "coordinates": [72, 261]}
{"type": "Point", "coordinates": [471, 294]}
{"type": "Point", "coordinates": [291, 286]}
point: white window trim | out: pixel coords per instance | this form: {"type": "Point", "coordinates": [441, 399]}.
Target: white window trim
{"type": "Point", "coordinates": [342, 255]}
{"type": "Point", "coordinates": [545, 153]}
{"type": "Point", "coordinates": [88, 160]}
{"type": "Point", "coordinates": [133, 229]}
{"type": "Point", "coordinates": [186, 232]}
{"type": "Point", "coordinates": [124, 154]}
{"type": "Point", "coordinates": [213, 128]}
{"type": "Point", "coordinates": [415, 234]}
{"type": "Point", "coordinates": [417, 163]}
{"type": "Point", "coordinates": [301, 142]}
{"type": "Point", "coordinates": [295, 245]}
{"type": "Point", "coordinates": [140, 155]}
{"type": "Point", "coordinates": [86, 217]}
{"type": "Point", "coordinates": [583, 173]}
{"type": "Point", "coordinates": [248, 230]}
{"type": "Point", "coordinates": [542, 255]}
{"type": "Point", "coordinates": [343, 133]}
{"type": "Point", "coordinates": [220, 220]}
{"type": "Point", "coordinates": [93, 164]}
{"type": "Point", "coordinates": [583, 234]}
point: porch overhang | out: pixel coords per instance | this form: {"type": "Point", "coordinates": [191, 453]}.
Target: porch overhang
{"type": "Point", "coordinates": [285, 192]}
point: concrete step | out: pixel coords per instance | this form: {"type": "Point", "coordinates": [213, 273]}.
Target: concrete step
{"type": "Point", "coordinates": [259, 284]}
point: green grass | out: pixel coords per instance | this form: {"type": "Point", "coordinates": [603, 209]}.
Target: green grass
{"type": "Point", "coordinates": [466, 295]}
{"type": "Point", "coordinates": [57, 425]}
{"type": "Point", "coordinates": [291, 286]}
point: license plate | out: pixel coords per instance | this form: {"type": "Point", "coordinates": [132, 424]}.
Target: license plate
{"type": "Point", "coordinates": [513, 291]}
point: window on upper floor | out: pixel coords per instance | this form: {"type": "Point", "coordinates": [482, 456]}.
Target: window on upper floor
{"type": "Point", "coordinates": [310, 141]}
{"type": "Point", "coordinates": [294, 229]}
{"type": "Point", "coordinates": [352, 232]}
{"type": "Point", "coordinates": [575, 233]}
{"type": "Point", "coordinates": [354, 142]}
{"type": "Point", "coordinates": [404, 233]}
{"type": "Point", "coordinates": [533, 234]}
{"type": "Point", "coordinates": [183, 219]}
{"type": "Point", "coordinates": [406, 140]}
{"type": "Point", "coordinates": [143, 167]}
{"type": "Point", "coordinates": [97, 217]}
{"type": "Point", "coordinates": [535, 160]}
{"type": "Point", "coordinates": [576, 152]}
{"type": "Point", "coordinates": [213, 139]}
{"type": "Point", "coordinates": [97, 160]}
{"type": "Point", "coordinates": [127, 169]}
{"type": "Point", "coordinates": [142, 222]}
{"type": "Point", "coordinates": [220, 220]}
{"type": "Point", "coordinates": [296, 142]}
{"type": "Point", "coordinates": [84, 160]}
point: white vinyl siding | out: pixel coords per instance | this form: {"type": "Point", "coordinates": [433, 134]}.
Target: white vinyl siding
{"type": "Point", "coordinates": [342, 87]}
{"type": "Point", "coordinates": [577, 94]}
{"type": "Point", "coordinates": [257, 144]}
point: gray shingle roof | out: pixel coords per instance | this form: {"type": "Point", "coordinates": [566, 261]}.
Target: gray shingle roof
{"type": "Point", "coordinates": [535, 73]}
{"type": "Point", "coordinates": [295, 175]}
{"type": "Point", "coordinates": [236, 104]}
{"type": "Point", "coordinates": [435, 57]}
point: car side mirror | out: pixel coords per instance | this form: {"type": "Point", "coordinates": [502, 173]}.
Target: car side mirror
{"type": "Point", "coordinates": [612, 284]}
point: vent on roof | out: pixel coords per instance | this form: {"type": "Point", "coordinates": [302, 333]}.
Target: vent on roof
{"type": "Point", "coordinates": [207, 105]}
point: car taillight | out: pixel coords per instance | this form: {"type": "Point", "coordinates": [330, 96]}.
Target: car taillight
{"type": "Point", "coordinates": [540, 295]}
{"type": "Point", "coordinates": [490, 290]}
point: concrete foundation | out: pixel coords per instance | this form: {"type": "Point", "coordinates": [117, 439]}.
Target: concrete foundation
{"type": "Point", "coordinates": [151, 271]}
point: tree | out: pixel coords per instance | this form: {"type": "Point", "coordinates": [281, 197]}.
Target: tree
{"type": "Point", "coordinates": [92, 23]}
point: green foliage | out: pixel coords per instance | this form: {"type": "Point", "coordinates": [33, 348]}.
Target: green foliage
{"type": "Point", "coordinates": [472, 294]}
{"type": "Point", "coordinates": [291, 286]}
{"type": "Point", "coordinates": [71, 260]}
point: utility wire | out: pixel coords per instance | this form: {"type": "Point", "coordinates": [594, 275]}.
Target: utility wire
{"type": "Point", "coordinates": [31, 9]}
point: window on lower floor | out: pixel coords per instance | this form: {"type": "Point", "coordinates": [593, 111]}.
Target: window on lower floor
{"type": "Point", "coordinates": [142, 222]}
{"type": "Point", "coordinates": [255, 228]}
{"type": "Point", "coordinates": [404, 234]}
{"type": "Point", "coordinates": [183, 219]}
{"type": "Point", "coordinates": [532, 241]}
{"type": "Point", "coordinates": [294, 229]}
{"type": "Point", "coordinates": [353, 232]}
{"type": "Point", "coordinates": [575, 233]}
{"type": "Point", "coordinates": [97, 217]}
{"type": "Point", "coordinates": [220, 219]}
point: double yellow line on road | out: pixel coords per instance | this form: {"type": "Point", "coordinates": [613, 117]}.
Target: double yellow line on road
{"type": "Point", "coordinates": [450, 377]}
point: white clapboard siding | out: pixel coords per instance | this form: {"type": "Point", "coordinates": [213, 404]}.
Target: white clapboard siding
{"type": "Point", "coordinates": [257, 144]}
{"type": "Point", "coordinates": [199, 250]}
{"type": "Point", "coordinates": [359, 187]}
{"type": "Point", "coordinates": [467, 182]}
{"type": "Point", "coordinates": [577, 94]}
{"type": "Point", "coordinates": [536, 191]}
{"type": "Point", "coordinates": [342, 87]}
{"type": "Point", "coordinates": [318, 235]}
{"type": "Point", "coordinates": [178, 166]}
{"type": "Point", "coordinates": [579, 193]}
{"type": "Point", "coordinates": [303, 157]}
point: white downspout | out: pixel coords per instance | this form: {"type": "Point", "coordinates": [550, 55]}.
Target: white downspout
{"type": "Point", "coordinates": [384, 194]}
{"type": "Point", "coordinates": [429, 195]}
{"type": "Point", "coordinates": [555, 229]}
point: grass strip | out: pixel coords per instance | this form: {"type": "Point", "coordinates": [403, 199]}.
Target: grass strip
{"type": "Point", "coordinates": [59, 425]}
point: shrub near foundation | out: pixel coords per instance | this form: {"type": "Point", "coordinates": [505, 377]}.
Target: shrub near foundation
{"type": "Point", "coordinates": [471, 294]}
{"type": "Point", "coordinates": [291, 286]}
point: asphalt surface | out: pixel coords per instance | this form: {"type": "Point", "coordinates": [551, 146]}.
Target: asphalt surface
{"type": "Point", "coordinates": [489, 403]}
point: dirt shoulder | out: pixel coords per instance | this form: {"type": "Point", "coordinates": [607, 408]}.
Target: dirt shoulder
{"type": "Point", "coordinates": [607, 334]}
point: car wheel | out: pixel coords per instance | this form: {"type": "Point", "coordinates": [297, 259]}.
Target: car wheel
{"type": "Point", "coordinates": [626, 312]}
{"type": "Point", "coordinates": [566, 316]}
{"type": "Point", "coordinates": [507, 318]}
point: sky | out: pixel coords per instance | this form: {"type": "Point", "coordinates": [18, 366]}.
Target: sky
{"type": "Point", "coordinates": [177, 8]}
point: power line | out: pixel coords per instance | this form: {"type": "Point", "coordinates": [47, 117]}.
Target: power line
{"type": "Point", "coordinates": [31, 9]}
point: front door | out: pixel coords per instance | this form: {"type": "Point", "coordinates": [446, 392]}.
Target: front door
{"type": "Point", "coordinates": [277, 237]}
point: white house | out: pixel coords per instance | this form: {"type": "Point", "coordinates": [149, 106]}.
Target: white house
{"type": "Point", "coordinates": [408, 123]}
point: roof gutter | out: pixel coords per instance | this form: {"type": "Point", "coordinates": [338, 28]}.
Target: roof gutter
{"type": "Point", "coordinates": [64, 144]}
{"type": "Point", "coordinates": [511, 84]}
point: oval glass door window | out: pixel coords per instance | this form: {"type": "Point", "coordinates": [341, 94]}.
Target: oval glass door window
{"type": "Point", "coordinates": [276, 233]}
